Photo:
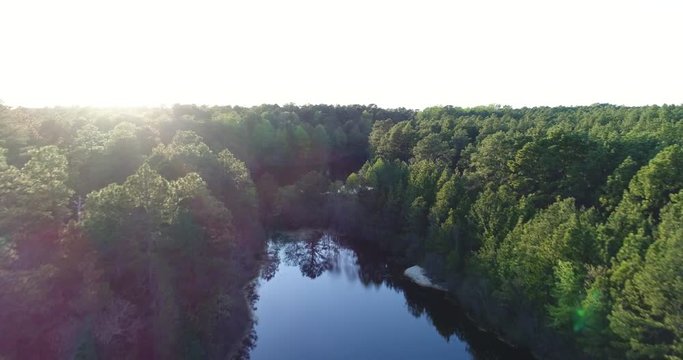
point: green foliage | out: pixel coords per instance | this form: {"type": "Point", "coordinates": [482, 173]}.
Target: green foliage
{"type": "Point", "coordinates": [565, 311]}
{"type": "Point", "coordinates": [227, 177]}
{"type": "Point", "coordinates": [647, 315]}
{"type": "Point", "coordinates": [494, 214]}
{"type": "Point", "coordinates": [550, 209]}
{"type": "Point", "coordinates": [617, 183]}
{"type": "Point", "coordinates": [167, 237]}
{"type": "Point", "coordinates": [639, 208]}
{"type": "Point", "coordinates": [423, 178]}
{"type": "Point", "coordinates": [396, 143]}
{"type": "Point", "coordinates": [530, 252]}
{"type": "Point", "coordinates": [489, 163]}
{"type": "Point", "coordinates": [653, 184]}
{"type": "Point", "coordinates": [353, 181]}
{"type": "Point", "coordinates": [566, 216]}
{"type": "Point", "coordinates": [561, 164]}
{"type": "Point", "coordinates": [35, 196]}
{"type": "Point", "coordinates": [433, 148]}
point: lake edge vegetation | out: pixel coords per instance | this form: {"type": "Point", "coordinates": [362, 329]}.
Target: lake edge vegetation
{"type": "Point", "coordinates": [561, 228]}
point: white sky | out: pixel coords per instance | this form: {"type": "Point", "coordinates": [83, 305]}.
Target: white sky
{"type": "Point", "coordinates": [391, 53]}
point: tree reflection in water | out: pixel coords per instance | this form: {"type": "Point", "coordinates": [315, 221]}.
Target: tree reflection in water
{"type": "Point", "coordinates": [316, 252]}
{"type": "Point", "coordinates": [313, 252]}
{"type": "Point", "coordinates": [272, 261]}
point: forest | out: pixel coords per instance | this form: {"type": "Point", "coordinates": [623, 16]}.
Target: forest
{"type": "Point", "coordinates": [135, 233]}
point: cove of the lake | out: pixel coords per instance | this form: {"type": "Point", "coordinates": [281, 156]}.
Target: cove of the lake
{"type": "Point", "coordinates": [320, 299]}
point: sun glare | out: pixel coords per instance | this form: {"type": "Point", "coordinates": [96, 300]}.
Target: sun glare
{"type": "Point", "coordinates": [390, 53]}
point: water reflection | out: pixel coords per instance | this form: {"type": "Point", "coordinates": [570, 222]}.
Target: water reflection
{"type": "Point", "coordinates": [290, 305]}
{"type": "Point", "coordinates": [314, 255]}
{"type": "Point", "coordinates": [313, 252]}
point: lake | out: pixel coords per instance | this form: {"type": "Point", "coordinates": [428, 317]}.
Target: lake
{"type": "Point", "coordinates": [319, 299]}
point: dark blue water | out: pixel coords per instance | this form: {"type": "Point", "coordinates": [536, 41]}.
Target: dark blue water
{"type": "Point", "coordinates": [320, 300]}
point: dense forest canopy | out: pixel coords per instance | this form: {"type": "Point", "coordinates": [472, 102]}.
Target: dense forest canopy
{"type": "Point", "coordinates": [561, 227]}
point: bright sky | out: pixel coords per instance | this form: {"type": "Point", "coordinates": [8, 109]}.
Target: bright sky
{"type": "Point", "coordinates": [388, 52]}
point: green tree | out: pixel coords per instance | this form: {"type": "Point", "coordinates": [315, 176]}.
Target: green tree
{"type": "Point", "coordinates": [377, 134]}
{"type": "Point", "coordinates": [639, 208]}
{"type": "Point", "coordinates": [431, 147]}
{"type": "Point", "coordinates": [34, 201]}
{"type": "Point", "coordinates": [495, 214]}
{"type": "Point", "coordinates": [531, 251]}
{"type": "Point", "coordinates": [565, 310]}
{"type": "Point", "coordinates": [562, 164]}
{"type": "Point", "coordinates": [397, 142]}
{"type": "Point", "coordinates": [617, 183]}
{"type": "Point", "coordinates": [647, 316]}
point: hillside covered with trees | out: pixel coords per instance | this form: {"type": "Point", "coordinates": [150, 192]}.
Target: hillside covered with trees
{"type": "Point", "coordinates": [136, 232]}
{"type": "Point", "coordinates": [561, 219]}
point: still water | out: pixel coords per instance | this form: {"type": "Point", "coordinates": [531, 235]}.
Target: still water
{"type": "Point", "coordinates": [318, 299]}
